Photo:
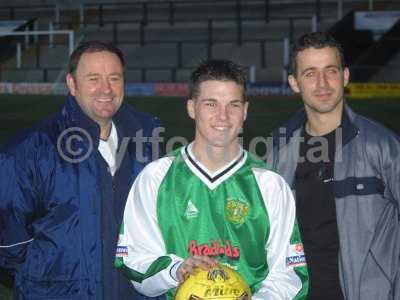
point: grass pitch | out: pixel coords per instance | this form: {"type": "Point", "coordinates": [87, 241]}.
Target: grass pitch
{"type": "Point", "coordinates": [20, 112]}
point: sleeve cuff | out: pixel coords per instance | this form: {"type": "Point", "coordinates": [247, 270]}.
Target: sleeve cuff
{"type": "Point", "coordinates": [176, 263]}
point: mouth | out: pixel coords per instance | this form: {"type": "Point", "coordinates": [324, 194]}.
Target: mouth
{"type": "Point", "coordinates": [323, 95]}
{"type": "Point", "coordinates": [221, 128]}
{"type": "Point", "coordinates": [104, 100]}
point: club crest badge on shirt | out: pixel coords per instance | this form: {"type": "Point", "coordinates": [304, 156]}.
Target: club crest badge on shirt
{"type": "Point", "coordinates": [236, 211]}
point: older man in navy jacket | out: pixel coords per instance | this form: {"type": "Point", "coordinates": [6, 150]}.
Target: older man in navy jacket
{"type": "Point", "coordinates": [64, 183]}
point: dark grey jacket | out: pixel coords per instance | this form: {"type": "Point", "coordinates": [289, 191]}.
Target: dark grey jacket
{"type": "Point", "coordinates": [367, 193]}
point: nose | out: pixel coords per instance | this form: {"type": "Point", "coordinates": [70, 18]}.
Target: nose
{"type": "Point", "coordinates": [223, 113]}
{"type": "Point", "coordinates": [322, 80]}
{"type": "Point", "coordinates": [105, 86]}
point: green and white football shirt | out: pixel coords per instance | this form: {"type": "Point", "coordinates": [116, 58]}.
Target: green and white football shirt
{"type": "Point", "coordinates": [243, 214]}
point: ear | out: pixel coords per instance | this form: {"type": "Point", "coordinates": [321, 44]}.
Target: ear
{"type": "Point", "coordinates": [71, 84]}
{"type": "Point", "coordinates": [190, 108]}
{"type": "Point", "coordinates": [346, 76]}
{"type": "Point", "coordinates": [293, 84]}
{"type": "Point", "coordinates": [246, 106]}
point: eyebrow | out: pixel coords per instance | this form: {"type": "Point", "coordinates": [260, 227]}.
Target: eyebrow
{"type": "Point", "coordinates": [98, 74]}
{"type": "Point", "coordinates": [208, 99]}
{"type": "Point", "coordinates": [116, 74]}
{"type": "Point", "coordinates": [92, 74]}
{"type": "Point", "coordinates": [215, 100]}
{"type": "Point", "coordinates": [326, 67]}
{"type": "Point", "coordinates": [237, 100]}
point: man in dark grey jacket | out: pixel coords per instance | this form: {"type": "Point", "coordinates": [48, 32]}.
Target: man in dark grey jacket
{"type": "Point", "coordinates": [345, 172]}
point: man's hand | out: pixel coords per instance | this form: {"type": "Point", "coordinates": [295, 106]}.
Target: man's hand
{"type": "Point", "coordinates": [190, 264]}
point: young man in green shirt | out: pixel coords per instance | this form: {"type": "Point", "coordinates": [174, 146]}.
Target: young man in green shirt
{"type": "Point", "coordinates": [211, 202]}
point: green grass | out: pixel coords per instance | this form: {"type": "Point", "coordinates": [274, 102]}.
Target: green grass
{"type": "Point", "coordinates": [20, 112]}
{"type": "Point", "coordinates": [5, 293]}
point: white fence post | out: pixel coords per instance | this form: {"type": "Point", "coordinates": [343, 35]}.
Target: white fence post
{"type": "Point", "coordinates": [81, 15]}
{"type": "Point", "coordinates": [26, 39]}
{"type": "Point", "coordinates": [340, 9]}
{"type": "Point", "coordinates": [57, 12]}
{"type": "Point", "coordinates": [18, 55]}
{"type": "Point", "coordinates": [286, 51]}
{"type": "Point", "coordinates": [71, 42]}
{"type": "Point", "coordinates": [35, 28]}
{"type": "Point", "coordinates": [252, 73]}
{"type": "Point", "coordinates": [314, 23]}
{"type": "Point", "coordinates": [51, 36]}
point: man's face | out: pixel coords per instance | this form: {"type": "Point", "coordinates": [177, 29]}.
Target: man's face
{"type": "Point", "coordinates": [98, 85]}
{"type": "Point", "coordinates": [219, 111]}
{"type": "Point", "coordinates": [320, 80]}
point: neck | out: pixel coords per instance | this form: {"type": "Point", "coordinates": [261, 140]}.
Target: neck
{"type": "Point", "coordinates": [105, 130]}
{"type": "Point", "coordinates": [319, 124]}
{"type": "Point", "coordinates": [214, 158]}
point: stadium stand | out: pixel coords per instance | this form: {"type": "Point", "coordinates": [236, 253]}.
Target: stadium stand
{"type": "Point", "coordinates": [379, 54]}
{"type": "Point", "coordinates": [164, 39]}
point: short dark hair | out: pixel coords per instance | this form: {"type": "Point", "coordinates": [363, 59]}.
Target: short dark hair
{"type": "Point", "coordinates": [92, 47]}
{"type": "Point", "coordinates": [217, 69]}
{"type": "Point", "coordinates": [317, 40]}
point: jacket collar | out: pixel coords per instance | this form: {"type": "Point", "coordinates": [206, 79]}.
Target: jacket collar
{"type": "Point", "coordinates": [76, 117]}
{"type": "Point", "coordinates": [297, 121]}
{"type": "Point", "coordinates": [350, 129]}
{"type": "Point", "coordinates": [125, 120]}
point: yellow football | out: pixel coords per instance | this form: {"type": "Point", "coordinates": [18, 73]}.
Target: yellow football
{"type": "Point", "coordinates": [220, 283]}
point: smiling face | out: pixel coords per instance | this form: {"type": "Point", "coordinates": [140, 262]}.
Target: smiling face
{"type": "Point", "coordinates": [320, 79]}
{"type": "Point", "coordinates": [219, 111]}
{"type": "Point", "coordinates": [98, 85]}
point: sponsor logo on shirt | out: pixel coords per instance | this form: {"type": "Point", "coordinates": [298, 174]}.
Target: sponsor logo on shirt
{"type": "Point", "coordinates": [214, 249]}
{"type": "Point", "coordinates": [298, 248]}
{"type": "Point", "coordinates": [294, 261]}
{"type": "Point", "coordinates": [191, 210]}
{"type": "Point", "coordinates": [122, 251]}
{"type": "Point", "coordinates": [296, 257]}
{"type": "Point", "coordinates": [236, 211]}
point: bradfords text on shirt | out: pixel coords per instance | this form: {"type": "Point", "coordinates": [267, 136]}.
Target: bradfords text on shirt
{"type": "Point", "coordinates": [214, 249]}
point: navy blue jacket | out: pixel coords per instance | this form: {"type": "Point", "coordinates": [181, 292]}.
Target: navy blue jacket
{"type": "Point", "coordinates": [60, 209]}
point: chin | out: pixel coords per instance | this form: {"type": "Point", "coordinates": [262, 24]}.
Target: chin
{"type": "Point", "coordinates": [221, 144]}
{"type": "Point", "coordinates": [218, 144]}
{"type": "Point", "coordinates": [329, 108]}
{"type": "Point", "coordinates": [106, 114]}
{"type": "Point", "coordinates": [326, 107]}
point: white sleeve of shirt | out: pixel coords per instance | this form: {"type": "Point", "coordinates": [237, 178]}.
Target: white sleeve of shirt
{"type": "Point", "coordinates": [281, 282]}
{"type": "Point", "coordinates": [141, 245]}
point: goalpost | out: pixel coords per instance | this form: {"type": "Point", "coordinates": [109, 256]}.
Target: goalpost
{"type": "Point", "coordinates": [50, 33]}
